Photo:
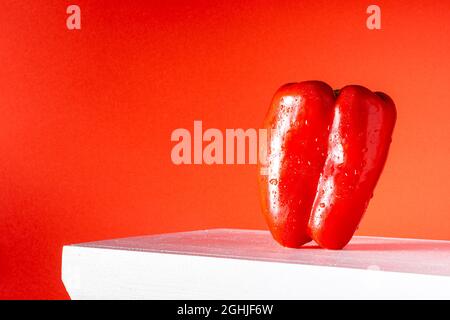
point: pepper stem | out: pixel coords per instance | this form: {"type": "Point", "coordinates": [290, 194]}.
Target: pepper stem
{"type": "Point", "coordinates": [336, 92]}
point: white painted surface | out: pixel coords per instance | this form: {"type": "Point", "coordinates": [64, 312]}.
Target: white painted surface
{"type": "Point", "coordinates": [248, 264]}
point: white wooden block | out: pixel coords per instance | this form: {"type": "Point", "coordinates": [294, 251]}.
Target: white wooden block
{"type": "Point", "coordinates": [249, 264]}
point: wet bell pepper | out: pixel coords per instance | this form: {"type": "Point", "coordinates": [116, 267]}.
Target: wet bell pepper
{"type": "Point", "coordinates": [325, 154]}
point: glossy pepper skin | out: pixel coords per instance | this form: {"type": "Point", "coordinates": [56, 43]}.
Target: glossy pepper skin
{"type": "Point", "coordinates": [324, 160]}
{"type": "Point", "coordinates": [298, 120]}
{"type": "Point", "coordinates": [358, 146]}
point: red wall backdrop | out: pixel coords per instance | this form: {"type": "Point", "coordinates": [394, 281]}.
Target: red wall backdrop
{"type": "Point", "coordinates": [86, 116]}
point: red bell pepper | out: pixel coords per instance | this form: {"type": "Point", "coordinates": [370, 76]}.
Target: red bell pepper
{"type": "Point", "coordinates": [325, 156]}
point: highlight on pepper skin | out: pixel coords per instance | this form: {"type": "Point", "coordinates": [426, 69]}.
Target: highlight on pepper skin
{"type": "Point", "coordinates": [324, 161]}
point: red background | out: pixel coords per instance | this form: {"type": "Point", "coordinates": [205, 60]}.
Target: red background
{"type": "Point", "coordinates": [86, 116]}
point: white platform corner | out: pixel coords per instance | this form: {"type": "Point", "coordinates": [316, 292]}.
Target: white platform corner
{"type": "Point", "coordinates": [248, 264]}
